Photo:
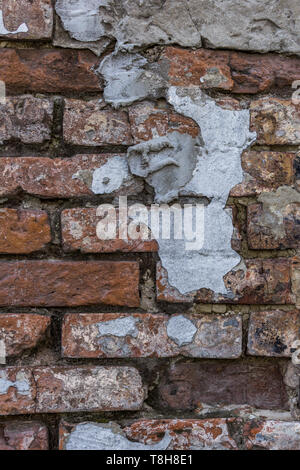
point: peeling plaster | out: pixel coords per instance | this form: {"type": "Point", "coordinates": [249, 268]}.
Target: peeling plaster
{"type": "Point", "coordinates": [93, 436]}
{"type": "Point", "coordinates": [181, 330]}
{"type": "Point", "coordinates": [110, 176]}
{"type": "Point", "coordinates": [274, 204]}
{"type": "Point", "coordinates": [21, 384]}
{"type": "Point", "coordinates": [120, 327]}
{"type": "Point", "coordinates": [3, 31]}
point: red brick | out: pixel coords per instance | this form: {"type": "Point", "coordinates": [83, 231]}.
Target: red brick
{"type": "Point", "coordinates": [187, 386]}
{"type": "Point", "coordinates": [67, 283]}
{"type": "Point", "coordinates": [27, 119]}
{"type": "Point", "coordinates": [170, 434]}
{"type": "Point", "coordinates": [150, 335]}
{"type": "Point", "coordinates": [21, 331]}
{"type": "Point", "coordinates": [44, 71]}
{"type": "Point", "coordinates": [262, 237]}
{"type": "Point", "coordinates": [272, 435]}
{"type": "Point", "coordinates": [22, 435]}
{"type": "Point", "coordinates": [79, 233]}
{"type": "Point", "coordinates": [56, 178]}
{"type": "Point", "coordinates": [265, 171]}
{"type": "Point", "coordinates": [265, 281]}
{"type": "Point", "coordinates": [273, 333]}
{"type": "Point", "coordinates": [233, 71]}
{"type": "Point", "coordinates": [276, 121]}
{"type": "Point", "coordinates": [87, 123]}
{"type": "Point", "coordinates": [36, 14]}
{"type": "Point", "coordinates": [23, 231]}
{"type": "Point", "coordinates": [149, 121]}
{"type": "Point", "coordinates": [69, 389]}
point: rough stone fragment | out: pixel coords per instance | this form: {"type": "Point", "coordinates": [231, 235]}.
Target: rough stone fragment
{"type": "Point", "coordinates": [237, 25]}
{"type": "Point", "coordinates": [17, 391]}
{"type": "Point", "coordinates": [265, 171]}
{"type": "Point", "coordinates": [260, 281]}
{"type": "Point", "coordinates": [87, 123]}
{"type": "Point", "coordinates": [149, 121]}
{"type": "Point", "coordinates": [48, 70]}
{"type": "Point", "coordinates": [25, 435]}
{"type": "Point", "coordinates": [276, 121]}
{"type": "Point", "coordinates": [272, 435]}
{"type": "Point", "coordinates": [26, 118]}
{"type": "Point", "coordinates": [67, 283]}
{"type": "Point", "coordinates": [71, 389]}
{"type": "Point", "coordinates": [273, 333]}
{"type": "Point", "coordinates": [275, 223]}
{"type": "Point", "coordinates": [79, 233]}
{"type": "Point", "coordinates": [187, 386]}
{"type": "Point", "coordinates": [21, 331]}
{"type": "Point", "coordinates": [78, 176]}
{"type": "Point", "coordinates": [164, 434]}
{"type": "Point", "coordinates": [26, 19]}
{"type": "Point", "coordinates": [151, 335]}
{"type": "Point", "coordinates": [23, 231]}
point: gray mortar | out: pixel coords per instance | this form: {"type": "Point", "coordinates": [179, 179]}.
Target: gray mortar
{"type": "Point", "coordinates": [94, 436]}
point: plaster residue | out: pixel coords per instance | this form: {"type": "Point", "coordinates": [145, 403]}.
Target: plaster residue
{"type": "Point", "coordinates": [21, 383]}
{"type": "Point", "coordinates": [166, 163]}
{"type": "Point", "coordinates": [274, 204]}
{"type": "Point", "coordinates": [120, 327]}
{"type": "Point", "coordinates": [93, 436]}
{"type": "Point", "coordinates": [110, 176]}
{"type": "Point", "coordinates": [3, 31]}
{"type": "Point", "coordinates": [181, 330]}
{"type": "Point", "coordinates": [2, 352]}
{"type": "Point", "coordinates": [129, 78]}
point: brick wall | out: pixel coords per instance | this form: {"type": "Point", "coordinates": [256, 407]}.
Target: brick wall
{"type": "Point", "coordinates": [96, 343]}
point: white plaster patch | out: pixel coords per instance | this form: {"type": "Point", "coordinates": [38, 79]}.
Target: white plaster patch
{"type": "Point", "coordinates": [2, 352]}
{"type": "Point", "coordinates": [120, 327]}
{"type": "Point", "coordinates": [110, 176]}
{"type": "Point", "coordinates": [181, 330]}
{"type": "Point", "coordinates": [3, 31]}
{"type": "Point", "coordinates": [92, 436]}
{"type": "Point", "coordinates": [21, 384]}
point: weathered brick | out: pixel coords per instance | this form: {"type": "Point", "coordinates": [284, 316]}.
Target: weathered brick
{"type": "Point", "coordinates": [21, 331]}
{"type": "Point", "coordinates": [261, 234]}
{"type": "Point", "coordinates": [187, 386]}
{"type": "Point", "coordinates": [23, 231]}
{"type": "Point", "coordinates": [233, 71]}
{"type": "Point", "coordinates": [151, 335]}
{"type": "Point", "coordinates": [273, 333]}
{"type": "Point", "coordinates": [87, 123]}
{"type": "Point", "coordinates": [69, 389]}
{"type": "Point", "coordinates": [23, 435]}
{"type": "Point", "coordinates": [264, 281]}
{"type": "Point", "coordinates": [36, 14]}
{"type": "Point", "coordinates": [265, 171]}
{"type": "Point", "coordinates": [79, 233]}
{"type": "Point", "coordinates": [296, 280]}
{"type": "Point", "coordinates": [149, 434]}
{"type": "Point", "coordinates": [48, 70]}
{"type": "Point", "coordinates": [67, 283]}
{"type": "Point", "coordinates": [272, 435]}
{"type": "Point", "coordinates": [276, 121]}
{"type": "Point", "coordinates": [149, 121]}
{"type": "Point", "coordinates": [27, 119]}
{"type": "Point", "coordinates": [59, 178]}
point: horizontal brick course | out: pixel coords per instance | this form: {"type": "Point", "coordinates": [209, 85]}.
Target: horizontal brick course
{"type": "Point", "coordinates": [48, 70]}
{"type": "Point", "coordinates": [151, 335]}
{"type": "Point", "coordinates": [23, 231]}
{"type": "Point", "coordinates": [54, 283]}
{"type": "Point", "coordinates": [272, 435]}
{"type": "Point", "coordinates": [69, 389]}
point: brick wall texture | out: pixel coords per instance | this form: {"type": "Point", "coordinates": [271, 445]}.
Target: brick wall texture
{"type": "Point", "coordinates": [98, 342]}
